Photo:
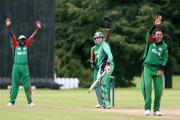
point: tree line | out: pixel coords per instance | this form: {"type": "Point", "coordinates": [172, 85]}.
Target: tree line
{"type": "Point", "coordinates": [78, 20]}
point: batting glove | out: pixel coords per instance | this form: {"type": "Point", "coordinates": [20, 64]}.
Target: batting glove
{"type": "Point", "coordinates": [107, 22]}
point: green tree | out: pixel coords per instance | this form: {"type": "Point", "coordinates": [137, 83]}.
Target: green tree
{"type": "Point", "coordinates": [77, 21]}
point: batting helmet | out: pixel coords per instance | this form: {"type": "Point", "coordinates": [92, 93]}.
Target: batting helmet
{"type": "Point", "coordinates": [98, 34]}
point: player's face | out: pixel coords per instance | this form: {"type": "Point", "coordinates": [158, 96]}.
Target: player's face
{"type": "Point", "coordinates": [98, 40]}
{"type": "Point", "coordinates": [23, 42]}
{"type": "Point", "coordinates": [158, 36]}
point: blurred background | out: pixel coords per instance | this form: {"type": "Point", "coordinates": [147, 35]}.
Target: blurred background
{"type": "Point", "coordinates": [23, 14]}
{"type": "Point", "coordinates": [62, 48]}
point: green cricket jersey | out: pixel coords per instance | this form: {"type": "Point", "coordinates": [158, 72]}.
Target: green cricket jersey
{"type": "Point", "coordinates": [101, 54]}
{"type": "Point", "coordinates": [156, 54]}
{"type": "Point", "coordinates": [21, 55]}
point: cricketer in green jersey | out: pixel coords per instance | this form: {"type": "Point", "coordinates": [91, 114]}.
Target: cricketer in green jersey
{"type": "Point", "coordinates": [155, 59]}
{"type": "Point", "coordinates": [20, 68]}
{"type": "Point", "coordinates": [102, 60]}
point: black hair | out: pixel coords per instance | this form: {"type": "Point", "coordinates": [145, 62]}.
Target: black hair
{"type": "Point", "coordinates": [157, 29]}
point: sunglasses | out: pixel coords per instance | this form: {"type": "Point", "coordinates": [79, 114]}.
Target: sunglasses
{"type": "Point", "coordinates": [98, 37]}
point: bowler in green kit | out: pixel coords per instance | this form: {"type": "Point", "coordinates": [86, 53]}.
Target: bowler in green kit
{"type": "Point", "coordinates": [155, 59]}
{"type": "Point", "coordinates": [20, 68]}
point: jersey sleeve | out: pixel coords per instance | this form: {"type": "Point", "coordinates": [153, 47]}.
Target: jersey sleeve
{"type": "Point", "coordinates": [29, 41]}
{"type": "Point", "coordinates": [108, 54]}
{"type": "Point", "coordinates": [149, 35]}
{"type": "Point", "coordinates": [13, 41]}
{"type": "Point", "coordinates": [92, 59]}
{"type": "Point", "coordinates": [149, 38]}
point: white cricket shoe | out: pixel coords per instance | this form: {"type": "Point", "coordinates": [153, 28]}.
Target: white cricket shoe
{"type": "Point", "coordinates": [9, 104]}
{"type": "Point", "coordinates": [157, 113]}
{"type": "Point", "coordinates": [31, 104]}
{"type": "Point", "coordinates": [98, 106]}
{"type": "Point", "coordinates": [147, 112]}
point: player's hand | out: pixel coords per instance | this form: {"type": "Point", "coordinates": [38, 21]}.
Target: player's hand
{"type": "Point", "coordinates": [157, 20]}
{"type": "Point", "coordinates": [107, 68]}
{"type": "Point", "coordinates": [159, 72]}
{"type": "Point", "coordinates": [8, 22]}
{"type": "Point", "coordinates": [107, 22]}
{"type": "Point", "coordinates": [39, 24]}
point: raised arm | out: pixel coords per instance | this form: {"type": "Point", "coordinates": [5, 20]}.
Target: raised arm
{"type": "Point", "coordinates": [30, 39]}
{"type": "Point", "coordinates": [149, 35]}
{"type": "Point", "coordinates": [107, 23]}
{"type": "Point", "coordinates": [13, 37]}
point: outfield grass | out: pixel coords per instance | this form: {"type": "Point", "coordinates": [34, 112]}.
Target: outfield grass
{"type": "Point", "coordinates": [79, 105]}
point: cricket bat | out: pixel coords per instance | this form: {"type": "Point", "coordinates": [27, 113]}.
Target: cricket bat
{"type": "Point", "coordinates": [96, 82]}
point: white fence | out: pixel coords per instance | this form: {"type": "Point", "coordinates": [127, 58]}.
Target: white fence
{"type": "Point", "coordinates": [68, 83]}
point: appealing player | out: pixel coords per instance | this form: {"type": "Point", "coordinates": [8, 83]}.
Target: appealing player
{"type": "Point", "coordinates": [155, 59]}
{"type": "Point", "coordinates": [20, 68]}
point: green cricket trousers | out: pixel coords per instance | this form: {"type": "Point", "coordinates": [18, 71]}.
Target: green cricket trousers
{"type": "Point", "coordinates": [105, 86]}
{"type": "Point", "coordinates": [149, 74]}
{"type": "Point", "coordinates": [20, 71]}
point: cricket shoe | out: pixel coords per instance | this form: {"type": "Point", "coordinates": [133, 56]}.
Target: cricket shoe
{"type": "Point", "coordinates": [107, 107]}
{"type": "Point", "coordinates": [31, 104]}
{"type": "Point", "coordinates": [9, 104]}
{"type": "Point", "coordinates": [157, 113]}
{"type": "Point", "coordinates": [147, 112]}
{"type": "Point", "coordinates": [98, 106]}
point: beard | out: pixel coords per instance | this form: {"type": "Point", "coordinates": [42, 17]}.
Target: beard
{"type": "Point", "coordinates": [22, 43]}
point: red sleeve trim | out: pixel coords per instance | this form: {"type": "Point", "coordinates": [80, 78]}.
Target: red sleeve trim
{"type": "Point", "coordinates": [93, 56]}
{"type": "Point", "coordinates": [15, 43]}
{"type": "Point", "coordinates": [150, 39]}
{"type": "Point", "coordinates": [29, 41]}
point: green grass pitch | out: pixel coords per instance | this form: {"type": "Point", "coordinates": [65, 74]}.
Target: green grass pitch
{"type": "Point", "coordinates": [79, 105]}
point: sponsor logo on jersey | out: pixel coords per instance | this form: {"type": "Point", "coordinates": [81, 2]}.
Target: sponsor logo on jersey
{"type": "Point", "coordinates": [21, 53]}
{"type": "Point", "coordinates": [19, 48]}
{"type": "Point", "coordinates": [160, 49]}
{"type": "Point", "coordinates": [24, 48]}
{"type": "Point", "coordinates": [156, 52]}
{"type": "Point", "coordinates": [96, 54]}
